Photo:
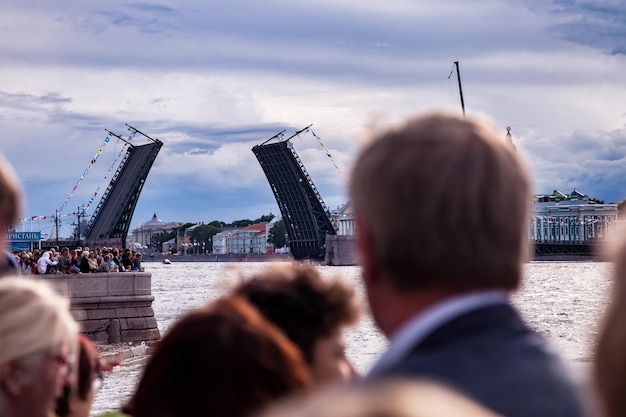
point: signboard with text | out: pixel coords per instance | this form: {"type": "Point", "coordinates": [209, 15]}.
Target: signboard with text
{"type": "Point", "coordinates": [22, 236]}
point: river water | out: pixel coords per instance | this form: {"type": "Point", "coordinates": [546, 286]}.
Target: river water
{"type": "Point", "coordinates": [561, 300]}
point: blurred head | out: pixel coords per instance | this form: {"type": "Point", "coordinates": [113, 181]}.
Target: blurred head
{"type": "Point", "coordinates": [37, 345]}
{"type": "Point", "coordinates": [610, 355]}
{"type": "Point", "coordinates": [391, 398]}
{"type": "Point", "coordinates": [78, 395]}
{"type": "Point", "coordinates": [222, 360]}
{"type": "Point", "coordinates": [311, 311]}
{"type": "Point", "coordinates": [441, 201]}
{"type": "Point", "coordinates": [10, 195]}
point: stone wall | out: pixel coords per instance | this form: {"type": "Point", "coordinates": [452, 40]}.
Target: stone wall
{"type": "Point", "coordinates": [110, 307]}
{"type": "Point", "coordinates": [341, 250]}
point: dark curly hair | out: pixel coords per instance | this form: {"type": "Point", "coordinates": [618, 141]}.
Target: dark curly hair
{"type": "Point", "coordinates": [301, 303]}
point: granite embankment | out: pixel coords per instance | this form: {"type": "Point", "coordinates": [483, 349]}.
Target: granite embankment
{"type": "Point", "coordinates": [110, 307]}
{"type": "Point", "coordinates": [125, 352]}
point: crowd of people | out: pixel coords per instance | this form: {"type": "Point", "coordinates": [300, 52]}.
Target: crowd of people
{"type": "Point", "coordinates": [273, 345]}
{"type": "Point", "coordinates": [77, 261]}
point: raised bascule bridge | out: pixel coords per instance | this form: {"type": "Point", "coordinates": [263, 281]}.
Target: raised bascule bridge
{"type": "Point", "coordinates": [304, 212]}
{"type": "Point", "coordinates": [111, 219]}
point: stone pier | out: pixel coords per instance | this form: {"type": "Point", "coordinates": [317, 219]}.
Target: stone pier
{"type": "Point", "coordinates": [110, 307]}
{"type": "Point", "coordinates": [341, 250]}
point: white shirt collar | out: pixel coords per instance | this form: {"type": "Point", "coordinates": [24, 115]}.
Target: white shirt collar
{"type": "Point", "coordinates": [422, 324]}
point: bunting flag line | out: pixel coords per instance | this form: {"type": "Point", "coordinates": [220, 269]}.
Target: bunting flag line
{"type": "Point", "coordinates": [86, 171]}
{"type": "Point", "coordinates": [35, 218]}
{"type": "Point", "coordinates": [90, 165]}
{"type": "Point", "coordinates": [319, 140]}
{"type": "Point", "coordinates": [106, 175]}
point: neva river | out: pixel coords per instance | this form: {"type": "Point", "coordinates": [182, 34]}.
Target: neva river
{"type": "Point", "coordinates": [561, 300]}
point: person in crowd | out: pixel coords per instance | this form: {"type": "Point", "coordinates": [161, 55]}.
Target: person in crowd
{"type": "Point", "coordinates": [137, 262]}
{"type": "Point", "coordinates": [78, 395]}
{"type": "Point", "coordinates": [105, 266]}
{"type": "Point", "coordinates": [93, 262]}
{"type": "Point", "coordinates": [440, 206]}
{"type": "Point", "coordinates": [609, 366]}
{"type": "Point", "coordinates": [117, 259]}
{"type": "Point", "coordinates": [127, 262]}
{"type": "Point", "coordinates": [84, 266]}
{"type": "Point", "coordinates": [45, 264]}
{"type": "Point", "coordinates": [10, 209]}
{"type": "Point", "coordinates": [393, 398]}
{"type": "Point", "coordinates": [98, 255]}
{"type": "Point", "coordinates": [37, 346]}
{"type": "Point", "coordinates": [312, 312]}
{"type": "Point", "coordinates": [35, 258]}
{"type": "Point", "coordinates": [221, 360]}
{"type": "Point", "coordinates": [26, 263]}
{"type": "Point", "coordinates": [74, 262]}
{"type": "Point", "coordinates": [64, 261]}
{"type": "Point", "coordinates": [54, 256]}
{"type": "Point", "coordinates": [112, 265]}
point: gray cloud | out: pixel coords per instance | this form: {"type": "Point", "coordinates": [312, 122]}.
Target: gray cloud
{"type": "Point", "coordinates": [599, 24]}
{"type": "Point", "coordinates": [593, 162]}
{"type": "Point", "coordinates": [214, 78]}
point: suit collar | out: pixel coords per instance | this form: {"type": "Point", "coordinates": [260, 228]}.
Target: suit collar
{"type": "Point", "coordinates": [421, 326]}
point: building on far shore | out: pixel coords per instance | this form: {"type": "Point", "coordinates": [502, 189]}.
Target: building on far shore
{"type": "Point", "coordinates": [249, 240]}
{"type": "Point", "coordinates": [141, 238]}
{"type": "Point", "coordinates": [556, 217]}
{"type": "Point", "coordinates": [573, 218]}
{"type": "Point", "coordinates": [343, 220]}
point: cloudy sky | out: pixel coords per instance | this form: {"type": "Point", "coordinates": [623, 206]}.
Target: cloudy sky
{"type": "Point", "coordinates": [211, 79]}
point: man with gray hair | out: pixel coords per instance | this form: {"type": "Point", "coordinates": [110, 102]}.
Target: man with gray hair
{"type": "Point", "coordinates": [441, 208]}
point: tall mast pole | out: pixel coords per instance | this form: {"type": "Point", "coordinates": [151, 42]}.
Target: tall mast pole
{"type": "Point", "coordinates": [56, 224]}
{"type": "Point", "coordinates": [78, 225]}
{"type": "Point", "coordinates": [458, 76]}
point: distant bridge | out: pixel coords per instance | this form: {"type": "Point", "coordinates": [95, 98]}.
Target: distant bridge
{"type": "Point", "coordinates": [304, 212]}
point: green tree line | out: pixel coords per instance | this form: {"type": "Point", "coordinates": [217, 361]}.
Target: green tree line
{"type": "Point", "coordinates": [205, 232]}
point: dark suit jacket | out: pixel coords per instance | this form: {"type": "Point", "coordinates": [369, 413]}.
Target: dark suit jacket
{"type": "Point", "coordinates": [490, 355]}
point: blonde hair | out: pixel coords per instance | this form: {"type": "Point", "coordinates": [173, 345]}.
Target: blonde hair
{"type": "Point", "coordinates": [390, 398]}
{"type": "Point", "coordinates": [446, 204]}
{"type": "Point", "coordinates": [33, 318]}
{"type": "Point", "coordinates": [10, 193]}
{"type": "Point", "coordinates": [610, 354]}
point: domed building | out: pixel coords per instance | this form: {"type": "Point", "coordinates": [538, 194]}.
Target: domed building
{"type": "Point", "coordinates": [141, 238]}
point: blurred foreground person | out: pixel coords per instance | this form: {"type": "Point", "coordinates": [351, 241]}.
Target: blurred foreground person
{"type": "Point", "coordinates": [610, 355]}
{"type": "Point", "coordinates": [222, 360]}
{"type": "Point", "coordinates": [441, 211]}
{"type": "Point", "coordinates": [78, 395]}
{"type": "Point", "coordinates": [37, 345]}
{"type": "Point", "coordinates": [313, 314]}
{"type": "Point", "coordinates": [393, 398]}
{"type": "Point", "coordinates": [10, 208]}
